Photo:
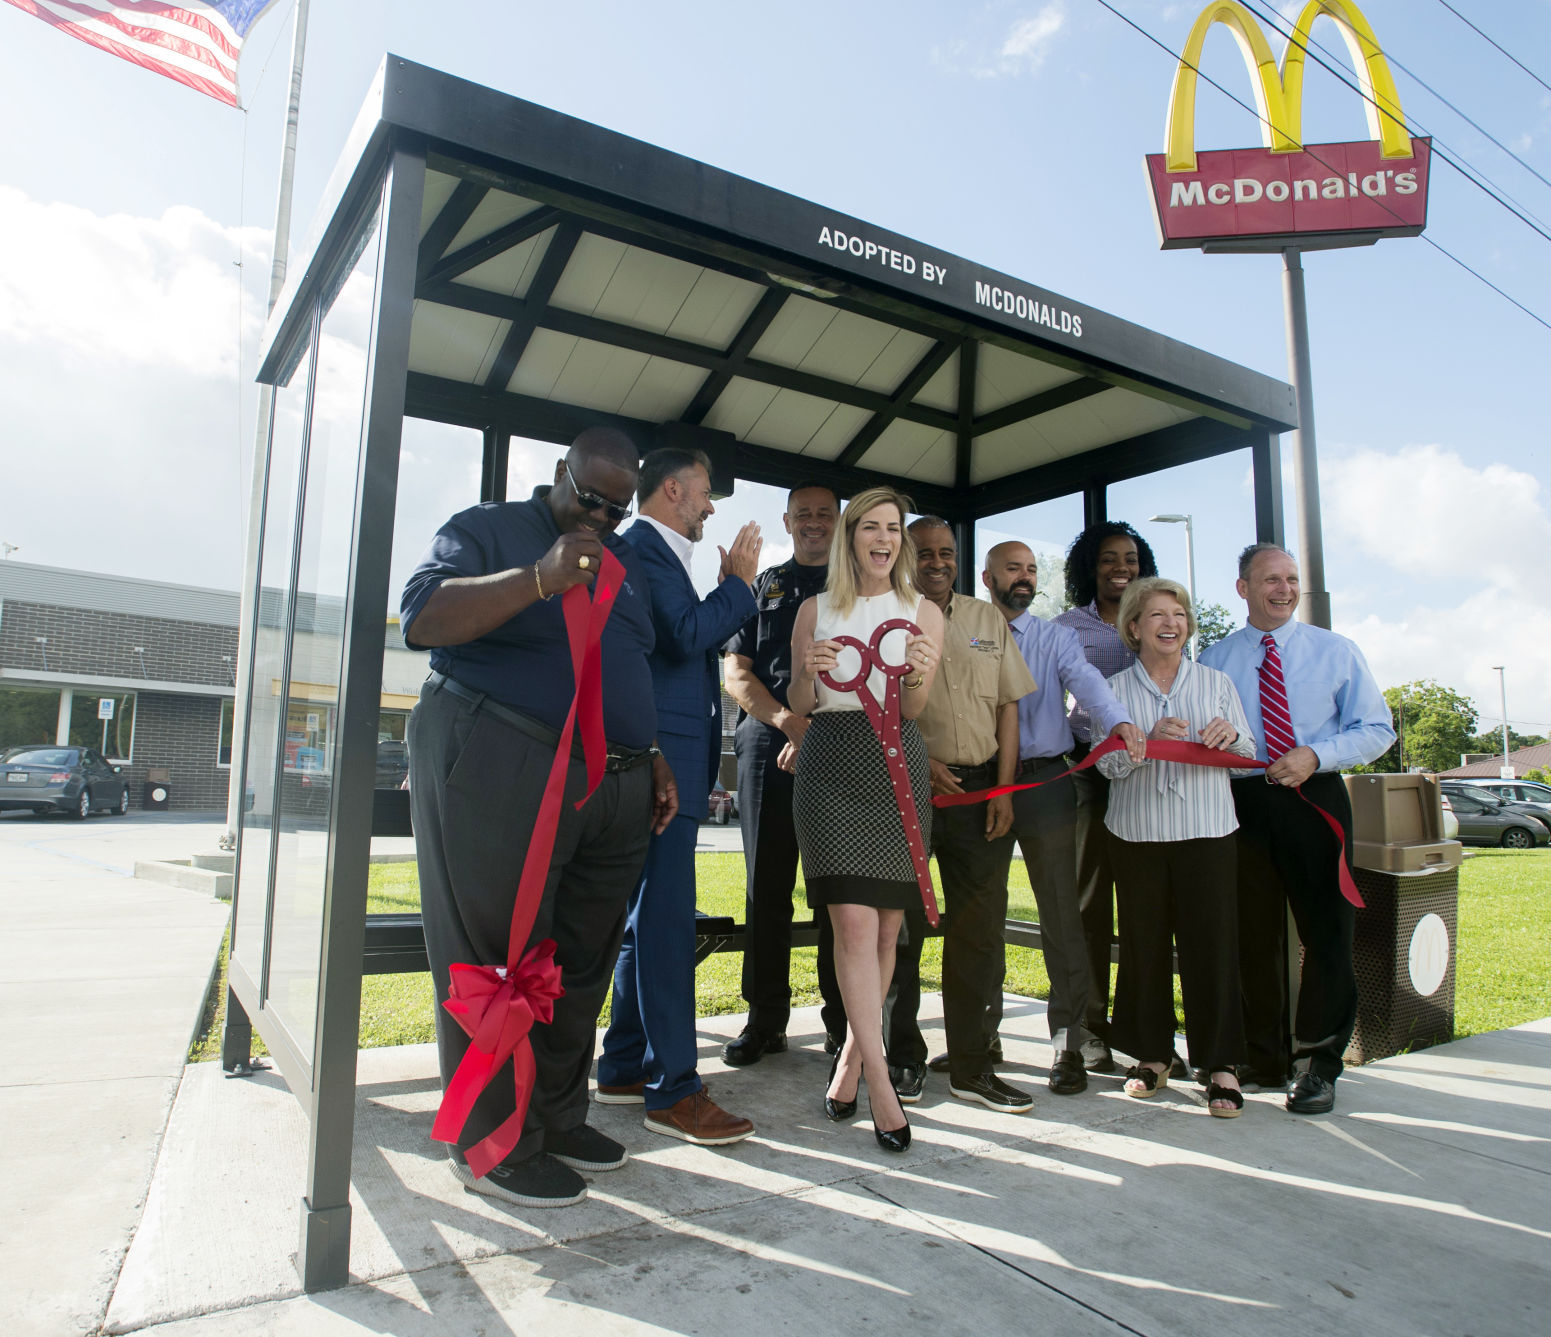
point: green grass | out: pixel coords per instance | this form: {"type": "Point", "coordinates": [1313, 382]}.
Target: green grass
{"type": "Point", "coordinates": [1503, 972]}
{"type": "Point", "coordinates": [1503, 976]}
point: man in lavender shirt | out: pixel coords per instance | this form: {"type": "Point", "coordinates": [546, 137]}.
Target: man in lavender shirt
{"type": "Point", "coordinates": [1045, 819]}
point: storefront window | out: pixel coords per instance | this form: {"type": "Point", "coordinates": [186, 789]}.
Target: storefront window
{"type": "Point", "coordinates": [27, 715]}
{"type": "Point", "coordinates": [223, 746]}
{"type": "Point", "coordinates": [113, 736]}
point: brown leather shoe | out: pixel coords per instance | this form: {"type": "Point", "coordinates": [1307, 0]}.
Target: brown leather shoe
{"type": "Point", "coordinates": [632, 1094]}
{"type": "Point", "coordinates": [699, 1119]}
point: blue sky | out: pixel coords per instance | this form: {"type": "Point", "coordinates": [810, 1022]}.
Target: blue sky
{"type": "Point", "coordinates": [1012, 133]}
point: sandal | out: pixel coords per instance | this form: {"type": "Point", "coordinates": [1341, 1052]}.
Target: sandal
{"type": "Point", "coordinates": [1144, 1082]}
{"type": "Point", "coordinates": [1231, 1094]}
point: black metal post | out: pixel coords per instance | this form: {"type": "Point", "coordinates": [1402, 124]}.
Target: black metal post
{"type": "Point", "coordinates": [324, 1254]}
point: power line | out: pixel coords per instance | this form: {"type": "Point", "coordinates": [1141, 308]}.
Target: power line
{"type": "Point", "coordinates": [1179, 59]}
{"type": "Point", "coordinates": [1490, 42]}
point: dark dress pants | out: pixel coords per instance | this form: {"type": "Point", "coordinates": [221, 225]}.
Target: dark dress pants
{"type": "Point", "coordinates": [475, 786]}
{"type": "Point", "coordinates": [1178, 894]}
{"type": "Point", "coordinates": [1095, 889]}
{"type": "Point", "coordinates": [770, 860]}
{"type": "Point", "coordinates": [1287, 859]}
{"type": "Point", "coordinates": [1044, 820]}
{"type": "Point", "coordinates": [651, 1035]}
{"type": "Point", "coordinates": [973, 871]}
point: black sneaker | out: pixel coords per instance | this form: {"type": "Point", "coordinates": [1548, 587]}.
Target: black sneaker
{"type": "Point", "coordinates": [992, 1092]}
{"type": "Point", "coordinates": [585, 1148]}
{"type": "Point", "coordinates": [539, 1181]}
{"type": "Point", "coordinates": [908, 1080]}
{"type": "Point", "coordinates": [751, 1046]}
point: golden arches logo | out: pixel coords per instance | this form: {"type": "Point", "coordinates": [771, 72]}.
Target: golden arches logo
{"type": "Point", "coordinates": [1279, 95]}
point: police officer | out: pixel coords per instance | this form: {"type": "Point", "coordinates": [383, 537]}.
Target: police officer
{"type": "Point", "coordinates": [757, 671]}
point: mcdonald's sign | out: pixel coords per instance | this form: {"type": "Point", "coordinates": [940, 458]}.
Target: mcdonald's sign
{"type": "Point", "coordinates": [1288, 193]}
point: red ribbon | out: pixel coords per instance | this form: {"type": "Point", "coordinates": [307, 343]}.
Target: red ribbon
{"type": "Point", "coordinates": [1191, 754]}
{"type": "Point", "coordinates": [885, 721]}
{"type": "Point", "coordinates": [499, 1005]}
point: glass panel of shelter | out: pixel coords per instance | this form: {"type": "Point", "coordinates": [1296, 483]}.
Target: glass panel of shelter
{"type": "Point", "coordinates": [270, 634]}
{"type": "Point", "coordinates": [333, 459]}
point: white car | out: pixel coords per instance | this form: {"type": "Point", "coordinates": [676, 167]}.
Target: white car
{"type": "Point", "coordinates": [1517, 791]}
{"type": "Point", "coordinates": [1450, 821]}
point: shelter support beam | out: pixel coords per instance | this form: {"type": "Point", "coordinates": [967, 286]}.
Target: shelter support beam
{"type": "Point", "coordinates": [1267, 456]}
{"type": "Point", "coordinates": [324, 1257]}
{"type": "Point", "coordinates": [1314, 605]}
{"type": "Point", "coordinates": [1095, 502]}
{"type": "Point", "coordinates": [493, 465]}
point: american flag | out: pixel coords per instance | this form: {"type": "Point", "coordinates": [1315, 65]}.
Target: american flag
{"type": "Point", "coordinates": [196, 42]}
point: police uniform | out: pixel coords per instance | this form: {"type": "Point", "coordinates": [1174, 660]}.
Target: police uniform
{"type": "Point", "coordinates": [765, 810]}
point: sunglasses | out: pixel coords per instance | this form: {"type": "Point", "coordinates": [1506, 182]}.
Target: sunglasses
{"type": "Point", "coordinates": [591, 501]}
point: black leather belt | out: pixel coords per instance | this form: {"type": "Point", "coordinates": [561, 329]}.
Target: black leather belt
{"type": "Point", "coordinates": [982, 776]}
{"type": "Point", "coordinates": [619, 758]}
{"type": "Point", "coordinates": [1031, 764]}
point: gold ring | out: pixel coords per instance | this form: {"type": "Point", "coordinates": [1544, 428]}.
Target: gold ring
{"type": "Point", "coordinates": [584, 562]}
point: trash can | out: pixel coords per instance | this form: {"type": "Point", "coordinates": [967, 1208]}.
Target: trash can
{"type": "Point", "coordinates": [1405, 941]}
{"type": "Point", "coordinates": [158, 789]}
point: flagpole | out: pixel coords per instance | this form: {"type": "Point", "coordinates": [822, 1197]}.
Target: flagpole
{"type": "Point", "coordinates": [256, 487]}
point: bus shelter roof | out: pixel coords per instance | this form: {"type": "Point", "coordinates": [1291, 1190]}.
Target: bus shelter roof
{"type": "Point", "coordinates": [569, 275]}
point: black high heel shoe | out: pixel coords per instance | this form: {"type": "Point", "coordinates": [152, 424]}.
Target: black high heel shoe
{"type": "Point", "coordinates": [838, 1111]}
{"type": "Point", "coordinates": [891, 1139]}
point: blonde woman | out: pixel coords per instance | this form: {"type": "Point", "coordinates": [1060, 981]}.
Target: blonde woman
{"type": "Point", "coordinates": [1172, 849]}
{"type": "Point", "coordinates": [850, 828]}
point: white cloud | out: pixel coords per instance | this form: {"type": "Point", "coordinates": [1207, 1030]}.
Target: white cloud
{"type": "Point", "coordinates": [153, 292]}
{"type": "Point", "coordinates": [1018, 49]}
{"type": "Point", "coordinates": [1470, 541]}
{"type": "Point", "coordinates": [1028, 40]}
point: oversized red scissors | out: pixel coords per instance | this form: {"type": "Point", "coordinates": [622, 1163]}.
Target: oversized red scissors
{"type": "Point", "coordinates": [885, 720]}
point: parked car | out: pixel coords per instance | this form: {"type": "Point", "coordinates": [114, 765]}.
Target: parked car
{"type": "Point", "coordinates": [1450, 821]}
{"type": "Point", "coordinates": [722, 806]}
{"type": "Point", "coordinates": [1484, 820]}
{"type": "Point", "coordinates": [76, 780]}
{"type": "Point", "coordinates": [1516, 791]}
{"type": "Point", "coordinates": [1529, 810]}
{"type": "Point", "coordinates": [392, 763]}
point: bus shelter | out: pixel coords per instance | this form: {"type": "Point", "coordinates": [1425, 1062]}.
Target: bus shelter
{"type": "Point", "coordinates": [482, 261]}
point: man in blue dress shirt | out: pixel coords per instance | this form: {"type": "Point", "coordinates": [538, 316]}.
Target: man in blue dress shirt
{"type": "Point", "coordinates": [649, 1052]}
{"type": "Point", "coordinates": [1045, 819]}
{"type": "Point", "coordinates": [1287, 854]}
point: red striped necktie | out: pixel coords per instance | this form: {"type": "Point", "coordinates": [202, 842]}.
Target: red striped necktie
{"type": "Point", "coordinates": [1274, 716]}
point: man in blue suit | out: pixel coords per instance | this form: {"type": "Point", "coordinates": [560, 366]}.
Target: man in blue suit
{"type": "Point", "coordinates": [649, 1052]}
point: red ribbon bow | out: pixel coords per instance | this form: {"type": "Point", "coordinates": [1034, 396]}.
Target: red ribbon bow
{"type": "Point", "coordinates": [1191, 754]}
{"type": "Point", "coordinates": [498, 1006]}
{"type": "Point", "coordinates": [885, 721]}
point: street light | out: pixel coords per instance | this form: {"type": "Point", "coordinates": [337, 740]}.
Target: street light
{"type": "Point", "coordinates": [1190, 565]}
{"type": "Point", "coordinates": [1505, 772]}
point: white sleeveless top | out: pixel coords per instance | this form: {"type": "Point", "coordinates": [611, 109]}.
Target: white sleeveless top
{"type": "Point", "coordinates": [865, 617]}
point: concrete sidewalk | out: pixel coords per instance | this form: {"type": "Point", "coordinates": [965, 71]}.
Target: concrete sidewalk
{"type": "Point", "coordinates": [102, 979]}
{"type": "Point", "coordinates": [1421, 1207]}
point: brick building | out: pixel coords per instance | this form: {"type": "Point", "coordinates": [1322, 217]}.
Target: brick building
{"type": "Point", "coordinates": [165, 657]}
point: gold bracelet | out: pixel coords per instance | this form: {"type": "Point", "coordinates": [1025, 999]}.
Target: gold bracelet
{"type": "Point", "coordinates": [913, 682]}
{"type": "Point", "coordinates": [539, 584]}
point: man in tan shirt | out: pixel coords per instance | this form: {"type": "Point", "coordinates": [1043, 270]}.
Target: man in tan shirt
{"type": "Point", "coordinates": [970, 725]}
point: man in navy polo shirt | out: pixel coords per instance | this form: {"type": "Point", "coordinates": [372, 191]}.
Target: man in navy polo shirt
{"type": "Point", "coordinates": [482, 741]}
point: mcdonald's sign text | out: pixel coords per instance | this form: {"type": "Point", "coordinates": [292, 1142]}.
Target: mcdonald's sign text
{"type": "Point", "coordinates": [1255, 193]}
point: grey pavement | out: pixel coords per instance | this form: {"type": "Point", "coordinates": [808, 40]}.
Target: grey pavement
{"type": "Point", "coordinates": [1420, 1207]}
{"type": "Point", "coordinates": [102, 979]}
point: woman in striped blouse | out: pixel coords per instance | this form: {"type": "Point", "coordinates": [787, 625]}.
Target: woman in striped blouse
{"type": "Point", "coordinates": [1172, 848]}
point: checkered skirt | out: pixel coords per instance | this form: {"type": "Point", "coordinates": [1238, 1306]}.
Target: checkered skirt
{"type": "Point", "coordinates": [849, 828]}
